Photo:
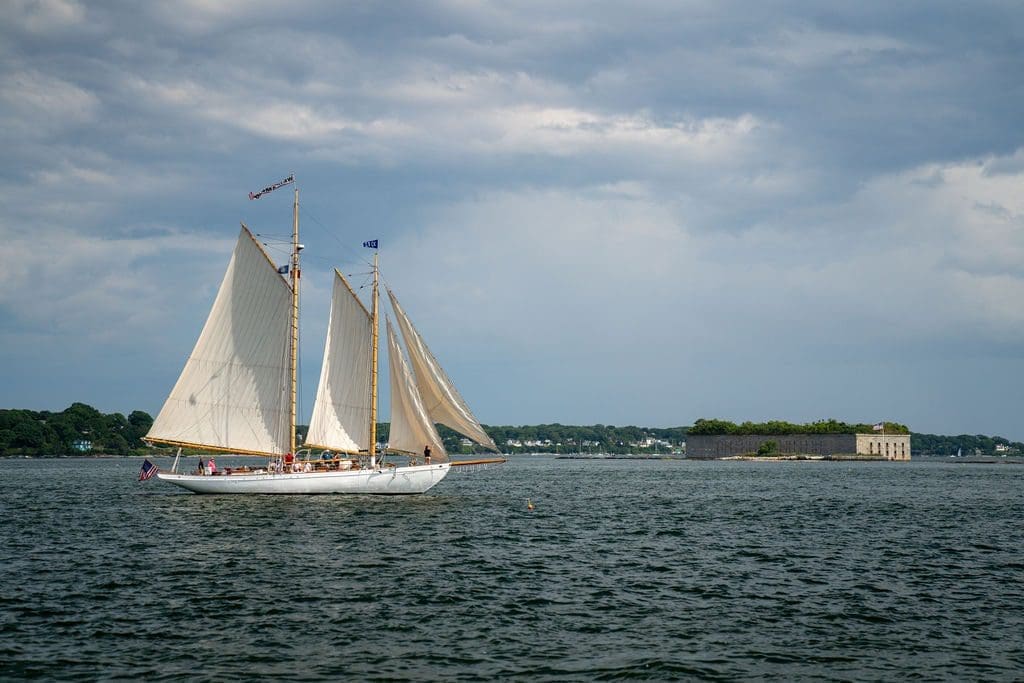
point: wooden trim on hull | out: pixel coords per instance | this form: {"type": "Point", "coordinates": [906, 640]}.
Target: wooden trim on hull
{"type": "Point", "coordinates": [382, 481]}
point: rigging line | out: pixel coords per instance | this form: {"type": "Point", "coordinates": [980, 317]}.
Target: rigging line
{"type": "Point", "coordinates": [385, 281]}
{"type": "Point", "coordinates": [298, 390]}
{"type": "Point", "coordinates": [321, 259]}
{"type": "Point", "coordinates": [352, 275]}
{"type": "Point", "coordinates": [367, 281]}
{"type": "Point", "coordinates": [276, 249]}
{"type": "Point", "coordinates": [344, 246]}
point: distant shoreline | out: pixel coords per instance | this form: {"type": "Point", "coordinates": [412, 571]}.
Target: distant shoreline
{"type": "Point", "coordinates": [991, 460]}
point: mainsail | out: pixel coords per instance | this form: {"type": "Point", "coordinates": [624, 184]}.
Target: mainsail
{"type": "Point", "coordinates": [440, 398]}
{"type": "Point", "coordinates": [233, 393]}
{"type": "Point", "coordinates": [341, 412]}
{"type": "Point", "coordinates": [411, 426]}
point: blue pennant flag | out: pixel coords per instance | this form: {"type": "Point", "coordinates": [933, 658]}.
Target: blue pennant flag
{"type": "Point", "coordinates": [371, 244]}
{"type": "Point", "coordinates": [283, 269]}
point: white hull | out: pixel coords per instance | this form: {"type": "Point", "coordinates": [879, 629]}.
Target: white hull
{"type": "Point", "coordinates": [384, 481]}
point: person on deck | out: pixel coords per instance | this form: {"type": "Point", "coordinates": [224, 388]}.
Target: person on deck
{"type": "Point", "coordinates": [202, 467]}
{"type": "Point", "coordinates": [426, 454]}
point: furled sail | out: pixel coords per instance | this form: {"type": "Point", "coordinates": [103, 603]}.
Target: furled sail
{"type": "Point", "coordinates": [411, 427]}
{"type": "Point", "coordinates": [440, 398]}
{"type": "Point", "coordinates": [341, 412]}
{"type": "Point", "coordinates": [234, 392]}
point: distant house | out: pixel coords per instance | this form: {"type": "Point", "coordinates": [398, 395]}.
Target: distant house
{"type": "Point", "coordinates": [651, 442]}
{"type": "Point", "coordinates": [82, 445]}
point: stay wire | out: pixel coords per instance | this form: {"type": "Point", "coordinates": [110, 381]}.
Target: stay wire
{"type": "Point", "coordinates": [346, 249]}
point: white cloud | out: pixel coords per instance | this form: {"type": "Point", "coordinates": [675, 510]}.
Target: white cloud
{"type": "Point", "coordinates": [43, 17]}
{"type": "Point", "coordinates": [36, 104]}
{"type": "Point", "coordinates": [570, 131]}
{"type": "Point", "coordinates": [613, 275]}
{"type": "Point", "coordinates": [664, 191]}
{"type": "Point", "coordinates": [72, 288]}
{"type": "Point", "coordinates": [805, 46]}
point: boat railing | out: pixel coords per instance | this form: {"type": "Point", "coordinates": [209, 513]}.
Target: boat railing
{"type": "Point", "coordinates": [327, 461]}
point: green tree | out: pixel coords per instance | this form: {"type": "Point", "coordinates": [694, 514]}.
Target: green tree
{"type": "Point", "coordinates": [139, 425]}
{"type": "Point", "coordinates": [28, 434]}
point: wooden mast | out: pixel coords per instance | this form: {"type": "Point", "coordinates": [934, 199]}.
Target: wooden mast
{"type": "Point", "coordinates": [373, 370]}
{"type": "Point", "coordinates": [295, 313]}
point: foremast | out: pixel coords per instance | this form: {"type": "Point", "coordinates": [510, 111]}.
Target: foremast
{"type": "Point", "coordinates": [375, 326]}
{"type": "Point", "coordinates": [294, 272]}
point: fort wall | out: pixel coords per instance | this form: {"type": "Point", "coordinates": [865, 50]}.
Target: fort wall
{"type": "Point", "coordinates": [884, 447]}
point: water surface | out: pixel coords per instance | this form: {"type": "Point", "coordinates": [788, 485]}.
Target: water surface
{"type": "Point", "coordinates": [632, 569]}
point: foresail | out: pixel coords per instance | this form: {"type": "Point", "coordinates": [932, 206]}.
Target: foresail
{"type": "Point", "coordinates": [341, 412]}
{"type": "Point", "coordinates": [234, 392]}
{"type": "Point", "coordinates": [411, 427]}
{"type": "Point", "coordinates": [440, 397]}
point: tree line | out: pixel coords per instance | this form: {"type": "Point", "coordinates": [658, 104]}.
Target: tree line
{"type": "Point", "coordinates": [782, 428]}
{"type": "Point", "coordinates": [966, 444]}
{"type": "Point", "coordinates": [81, 429]}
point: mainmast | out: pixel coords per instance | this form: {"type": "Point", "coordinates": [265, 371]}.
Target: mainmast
{"type": "Point", "coordinates": [373, 370]}
{"type": "Point", "coordinates": [294, 270]}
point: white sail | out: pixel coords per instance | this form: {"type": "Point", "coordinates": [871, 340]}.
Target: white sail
{"type": "Point", "coordinates": [411, 426]}
{"type": "Point", "coordinates": [440, 398]}
{"type": "Point", "coordinates": [341, 412]}
{"type": "Point", "coordinates": [234, 392]}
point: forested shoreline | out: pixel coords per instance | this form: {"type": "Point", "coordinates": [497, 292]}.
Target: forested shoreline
{"type": "Point", "coordinates": [81, 430]}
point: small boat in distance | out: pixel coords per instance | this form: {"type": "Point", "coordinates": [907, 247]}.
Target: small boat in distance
{"type": "Point", "coordinates": [237, 391]}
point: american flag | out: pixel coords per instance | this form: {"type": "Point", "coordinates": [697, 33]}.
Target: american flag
{"type": "Point", "coordinates": [148, 470]}
{"type": "Point", "coordinates": [878, 427]}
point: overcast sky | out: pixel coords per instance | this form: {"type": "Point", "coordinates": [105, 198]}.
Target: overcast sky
{"type": "Point", "coordinates": [636, 212]}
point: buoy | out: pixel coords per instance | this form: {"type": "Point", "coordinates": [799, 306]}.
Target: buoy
{"type": "Point", "coordinates": [529, 504]}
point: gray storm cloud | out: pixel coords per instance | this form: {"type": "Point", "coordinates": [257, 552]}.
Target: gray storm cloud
{"type": "Point", "coordinates": [596, 212]}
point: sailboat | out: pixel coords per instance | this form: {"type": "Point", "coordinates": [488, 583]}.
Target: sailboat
{"type": "Point", "coordinates": [237, 391]}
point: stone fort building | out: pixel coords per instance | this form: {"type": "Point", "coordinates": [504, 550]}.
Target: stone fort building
{"type": "Point", "coordinates": [881, 446]}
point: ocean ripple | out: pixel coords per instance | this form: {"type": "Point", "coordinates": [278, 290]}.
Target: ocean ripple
{"type": "Point", "coordinates": [639, 570]}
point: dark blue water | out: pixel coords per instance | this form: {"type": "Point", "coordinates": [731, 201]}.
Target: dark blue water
{"type": "Point", "coordinates": [625, 570]}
